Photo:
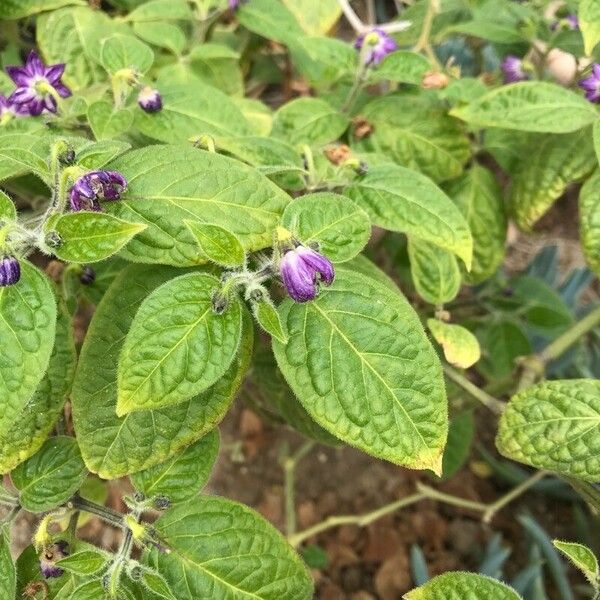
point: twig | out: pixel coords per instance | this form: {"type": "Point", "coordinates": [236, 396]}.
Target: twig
{"type": "Point", "coordinates": [433, 494]}
{"type": "Point", "coordinates": [495, 405]}
{"type": "Point", "coordinates": [289, 470]}
{"type": "Point", "coordinates": [112, 517]}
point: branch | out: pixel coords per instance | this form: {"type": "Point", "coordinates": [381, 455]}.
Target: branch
{"type": "Point", "coordinates": [495, 405]}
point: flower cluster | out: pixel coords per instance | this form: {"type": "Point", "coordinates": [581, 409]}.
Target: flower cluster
{"type": "Point", "coordinates": [591, 84]}
{"type": "Point", "coordinates": [92, 187]}
{"type": "Point", "coordinates": [375, 46]}
{"type": "Point", "coordinates": [38, 88]}
{"type": "Point", "coordinates": [302, 269]}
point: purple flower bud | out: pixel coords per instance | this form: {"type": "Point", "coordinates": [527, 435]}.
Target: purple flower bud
{"type": "Point", "coordinates": [87, 275]}
{"type": "Point", "coordinates": [512, 70]}
{"type": "Point", "coordinates": [49, 557]}
{"type": "Point", "coordinates": [150, 100]}
{"type": "Point", "coordinates": [10, 271]}
{"type": "Point", "coordinates": [92, 187]}
{"type": "Point", "coordinates": [302, 269]}
{"type": "Point", "coordinates": [377, 45]}
{"type": "Point", "coordinates": [37, 85]}
{"type": "Point", "coordinates": [591, 84]}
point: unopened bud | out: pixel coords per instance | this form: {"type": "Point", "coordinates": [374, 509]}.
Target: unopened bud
{"type": "Point", "coordinates": [434, 80]}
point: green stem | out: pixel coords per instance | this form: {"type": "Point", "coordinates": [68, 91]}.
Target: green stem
{"type": "Point", "coordinates": [359, 81]}
{"type": "Point", "coordinates": [433, 494]}
{"type": "Point", "coordinates": [424, 43]}
{"type": "Point", "coordinates": [493, 404]}
{"type": "Point", "coordinates": [112, 517]}
{"type": "Point", "coordinates": [289, 471]}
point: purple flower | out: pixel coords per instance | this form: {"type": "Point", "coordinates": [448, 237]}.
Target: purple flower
{"type": "Point", "coordinates": [38, 85]}
{"type": "Point", "coordinates": [302, 269]}
{"type": "Point", "coordinates": [512, 69]}
{"type": "Point", "coordinates": [10, 110]}
{"type": "Point", "coordinates": [591, 84]}
{"type": "Point", "coordinates": [377, 45]}
{"type": "Point", "coordinates": [49, 557]}
{"type": "Point", "coordinates": [235, 4]}
{"type": "Point", "coordinates": [92, 187]}
{"type": "Point", "coordinates": [569, 22]}
{"type": "Point", "coordinates": [10, 271]}
{"type": "Point", "coordinates": [150, 99]}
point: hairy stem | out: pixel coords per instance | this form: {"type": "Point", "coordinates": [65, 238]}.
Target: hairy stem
{"type": "Point", "coordinates": [112, 517]}
{"type": "Point", "coordinates": [493, 404]}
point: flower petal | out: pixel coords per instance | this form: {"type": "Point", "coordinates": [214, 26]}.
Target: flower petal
{"type": "Point", "coordinates": [54, 72]}
{"type": "Point", "coordinates": [19, 75]}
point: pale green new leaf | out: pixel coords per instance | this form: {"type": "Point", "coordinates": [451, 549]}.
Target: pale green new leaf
{"type": "Point", "coordinates": [403, 200]}
{"type": "Point", "coordinates": [463, 586]}
{"type": "Point", "coordinates": [218, 65]}
{"type": "Point", "coordinates": [309, 121]}
{"type": "Point", "coordinates": [191, 110]}
{"type": "Point", "coordinates": [339, 226]}
{"type": "Point", "coordinates": [270, 19]}
{"type": "Point", "coordinates": [96, 154]}
{"type": "Point", "coordinates": [402, 67]}
{"type": "Point", "coordinates": [107, 122]}
{"type": "Point", "coordinates": [8, 210]}
{"type": "Point", "coordinates": [267, 317]}
{"type": "Point", "coordinates": [120, 52]}
{"type": "Point", "coordinates": [163, 35]}
{"type": "Point", "coordinates": [258, 115]}
{"type": "Point", "coordinates": [589, 23]}
{"type": "Point", "coordinates": [88, 237]}
{"type": "Point", "coordinates": [161, 10]}
{"type": "Point", "coordinates": [182, 476]}
{"type": "Point", "coordinates": [223, 550]}
{"type": "Point", "coordinates": [461, 347]}
{"type": "Point", "coordinates": [51, 476]}
{"type": "Point", "coordinates": [86, 562]}
{"type": "Point", "coordinates": [434, 272]}
{"type": "Point", "coordinates": [16, 9]}
{"type": "Point", "coordinates": [554, 163]}
{"type": "Point", "coordinates": [22, 153]}
{"type": "Point", "coordinates": [596, 137]}
{"type": "Point", "coordinates": [479, 198]}
{"type": "Point", "coordinates": [115, 446]}
{"type": "Point", "coordinates": [417, 134]}
{"type": "Point", "coordinates": [157, 585]}
{"type": "Point", "coordinates": [589, 221]}
{"type": "Point", "coordinates": [24, 434]}
{"type": "Point", "coordinates": [177, 346]}
{"type": "Point", "coordinates": [167, 185]}
{"type": "Point", "coordinates": [316, 18]}
{"type": "Point", "coordinates": [27, 329]}
{"type": "Point", "coordinates": [555, 425]}
{"type": "Point", "coordinates": [217, 244]}
{"type": "Point", "coordinates": [8, 576]}
{"type": "Point", "coordinates": [530, 106]}
{"type": "Point", "coordinates": [361, 365]}
{"type": "Point", "coordinates": [583, 558]}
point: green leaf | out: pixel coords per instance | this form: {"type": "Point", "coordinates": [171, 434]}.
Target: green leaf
{"type": "Point", "coordinates": [401, 67]}
{"type": "Point", "coordinates": [8, 576]}
{"type": "Point", "coordinates": [463, 586]}
{"type": "Point", "coordinates": [479, 198]}
{"type": "Point", "coordinates": [309, 121]}
{"type": "Point", "coordinates": [316, 18]}
{"type": "Point", "coordinates": [107, 122]}
{"type": "Point", "coordinates": [434, 272]}
{"type": "Point", "coordinates": [163, 35]}
{"type": "Point", "coordinates": [222, 549]}
{"type": "Point", "coordinates": [97, 154]}
{"type": "Point", "coordinates": [582, 557]}
{"type": "Point", "coordinates": [86, 562]}
{"type": "Point", "coordinates": [554, 425]}
{"type": "Point", "coordinates": [347, 352]}
{"type": "Point", "coordinates": [67, 36]}
{"type": "Point", "coordinates": [402, 200]}
{"type": "Point", "coordinates": [50, 477]}
{"type": "Point", "coordinates": [589, 221]}
{"type": "Point", "coordinates": [218, 65]}
{"type": "Point", "coordinates": [22, 153]}
{"type": "Point", "coordinates": [217, 244]}
{"type": "Point", "coordinates": [88, 237]}
{"type": "Point", "coordinates": [323, 60]}
{"type": "Point", "coordinates": [556, 162]}
{"type": "Point", "coordinates": [589, 23]}
{"type": "Point", "coordinates": [113, 446]}
{"type": "Point", "coordinates": [339, 226]}
{"type": "Point", "coordinates": [16, 9]}
{"type": "Point", "coordinates": [27, 329]}
{"type": "Point", "coordinates": [267, 317]}
{"type": "Point", "coordinates": [191, 110]}
{"type": "Point", "coordinates": [91, 590]}
{"type": "Point", "coordinates": [502, 343]}
{"type": "Point", "coordinates": [596, 138]}
{"type": "Point", "coordinates": [461, 347]}
{"type": "Point", "coordinates": [170, 184]}
{"type": "Point", "coordinates": [8, 210]}
{"type": "Point", "coordinates": [270, 19]}
{"type": "Point", "coordinates": [258, 115]}
{"type": "Point", "coordinates": [125, 52]}
{"type": "Point", "coordinates": [177, 346]}
{"type": "Point", "coordinates": [157, 584]}
{"type": "Point", "coordinates": [23, 435]}
{"type": "Point", "coordinates": [530, 106]}
{"type": "Point", "coordinates": [417, 134]}
{"type": "Point", "coordinates": [182, 476]}
{"type": "Point", "coordinates": [499, 31]}
{"type": "Point", "coordinates": [460, 437]}
{"type": "Point", "coordinates": [161, 10]}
